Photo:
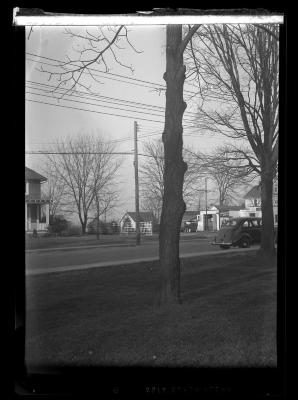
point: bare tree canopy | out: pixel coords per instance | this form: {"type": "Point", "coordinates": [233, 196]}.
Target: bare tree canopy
{"type": "Point", "coordinates": [229, 174]}
{"type": "Point", "coordinates": [53, 189]}
{"type": "Point", "coordinates": [236, 68]}
{"type": "Point", "coordinates": [98, 46]}
{"type": "Point", "coordinates": [86, 167]}
{"type": "Point", "coordinates": [152, 177]}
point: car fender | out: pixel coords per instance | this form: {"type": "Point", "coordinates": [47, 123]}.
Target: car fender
{"type": "Point", "coordinates": [241, 236]}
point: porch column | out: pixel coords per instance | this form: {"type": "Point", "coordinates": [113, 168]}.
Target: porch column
{"type": "Point", "coordinates": [47, 213]}
{"type": "Point", "coordinates": [26, 225]}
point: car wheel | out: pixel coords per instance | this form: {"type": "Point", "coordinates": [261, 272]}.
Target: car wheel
{"type": "Point", "coordinates": [224, 246]}
{"type": "Point", "coordinates": [245, 243]}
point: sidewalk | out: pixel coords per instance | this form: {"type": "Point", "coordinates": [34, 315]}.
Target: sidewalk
{"type": "Point", "coordinates": [131, 261]}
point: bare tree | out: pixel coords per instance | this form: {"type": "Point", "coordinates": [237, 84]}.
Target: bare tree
{"type": "Point", "coordinates": [86, 166]}
{"type": "Point", "coordinates": [237, 72]}
{"type": "Point", "coordinates": [53, 189]}
{"type": "Point", "coordinates": [97, 46]}
{"type": "Point", "coordinates": [228, 175]}
{"type": "Point", "coordinates": [173, 204]}
{"type": "Point", "coordinates": [105, 199]}
{"type": "Point", "coordinates": [151, 178]}
{"type": "Point", "coordinates": [152, 173]}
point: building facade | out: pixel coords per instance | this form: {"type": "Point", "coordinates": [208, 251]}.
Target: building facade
{"type": "Point", "coordinates": [128, 223]}
{"type": "Point", "coordinates": [253, 202]}
{"type": "Point", "coordinates": [37, 210]}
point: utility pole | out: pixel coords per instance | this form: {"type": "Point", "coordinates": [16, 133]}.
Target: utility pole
{"type": "Point", "coordinates": [206, 205]}
{"type": "Point", "coordinates": [138, 235]}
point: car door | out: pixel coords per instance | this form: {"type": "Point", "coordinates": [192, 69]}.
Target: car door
{"type": "Point", "coordinates": [255, 230]}
{"type": "Point", "coordinates": [245, 227]}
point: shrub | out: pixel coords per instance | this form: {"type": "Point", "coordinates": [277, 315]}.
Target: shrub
{"type": "Point", "coordinates": [58, 224]}
{"type": "Point", "coordinates": [73, 230]}
{"type": "Point", "coordinates": [105, 228]}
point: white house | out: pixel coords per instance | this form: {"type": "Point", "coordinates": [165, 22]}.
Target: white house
{"type": "Point", "coordinates": [128, 223]}
{"type": "Point", "coordinates": [208, 220]}
{"type": "Point", "coordinates": [189, 220]}
{"type": "Point", "coordinates": [253, 202]}
{"type": "Point", "coordinates": [36, 209]}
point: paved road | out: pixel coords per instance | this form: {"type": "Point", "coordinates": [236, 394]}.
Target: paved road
{"type": "Point", "coordinates": [75, 258]}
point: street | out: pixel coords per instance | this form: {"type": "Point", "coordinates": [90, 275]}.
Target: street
{"type": "Point", "coordinates": [75, 258]}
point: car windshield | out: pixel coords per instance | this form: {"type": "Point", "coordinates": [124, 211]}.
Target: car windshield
{"type": "Point", "coordinates": [231, 222]}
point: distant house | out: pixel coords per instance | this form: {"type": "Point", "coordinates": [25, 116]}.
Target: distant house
{"type": "Point", "coordinates": [36, 208]}
{"type": "Point", "coordinates": [194, 221]}
{"type": "Point", "coordinates": [253, 202]}
{"type": "Point", "coordinates": [128, 223]}
{"type": "Point", "coordinates": [226, 212]}
{"type": "Point", "coordinates": [253, 197]}
{"type": "Point", "coordinates": [208, 220]}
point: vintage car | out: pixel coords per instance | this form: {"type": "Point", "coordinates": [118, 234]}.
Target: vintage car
{"type": "Point", "coordinates": [240, 232]}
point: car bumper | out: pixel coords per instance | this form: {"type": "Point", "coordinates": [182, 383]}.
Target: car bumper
{"type": "Point", "coordinates": [222, 243]}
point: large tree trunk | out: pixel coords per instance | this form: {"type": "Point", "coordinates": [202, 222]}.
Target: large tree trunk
{"type": "Point", "coordinates": [97, 227]}
{"type": "Point", "coordinates": [84, 224]}
{"type": "Point", "coordinates": [173, 206]}
{"type": "Point", "coordinates": [267, 239]}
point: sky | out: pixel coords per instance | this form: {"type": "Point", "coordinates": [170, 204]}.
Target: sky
{"type": "Point", "coordinates": [45, 123]}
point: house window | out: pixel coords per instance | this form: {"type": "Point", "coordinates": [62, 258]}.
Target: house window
{"type": "Point", "coordinates": [252, 214]}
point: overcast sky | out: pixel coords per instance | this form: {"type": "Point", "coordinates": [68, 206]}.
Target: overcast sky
{"type": "Point", "coordinates": [46, 123]}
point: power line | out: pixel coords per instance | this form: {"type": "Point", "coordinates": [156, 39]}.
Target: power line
{"type": "Point", "coordinates": [99, 105]}
{"type": "Point", "coordinates": [132, 153]}
{"type": "Point", "coordinates": [101, 72]}
{"type": "Point", "coordinates": [93, 111]}
{"type": "Point", "coordinates": [161, 87]}
{"type": "Point", "coordinates": [106, 99]}
{"type": "Point", "coordinates": [97, 95]}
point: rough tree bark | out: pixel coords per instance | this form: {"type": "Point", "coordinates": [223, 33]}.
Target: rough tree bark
{"type": "Point", "coordinates": [173, 206]}
{"type": "Point", "coordinates": [267, 235]}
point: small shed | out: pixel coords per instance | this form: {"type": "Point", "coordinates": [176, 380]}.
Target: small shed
{"type": "Point", "coordinates": [128, 222]}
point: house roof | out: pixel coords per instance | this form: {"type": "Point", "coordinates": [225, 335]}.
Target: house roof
{"type": "Point", "coordinates": [254, 193]}
{"type": "Point", "coordinates": [145, 216]}
{"type": "Point", "coordinates": [190, 215]}
{"type": "Point", "coordinates": [31, 175]}
{"type": "Point", "coordinates": [229, 208]}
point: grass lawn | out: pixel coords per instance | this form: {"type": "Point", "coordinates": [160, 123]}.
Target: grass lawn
{"type": "Point", "coordinates": [44, 242]}
{"type": "Point", "coordinates": [109, 316]}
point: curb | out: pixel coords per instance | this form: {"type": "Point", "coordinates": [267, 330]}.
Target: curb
{"type": "Point", "coordinates": [130, 262]}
